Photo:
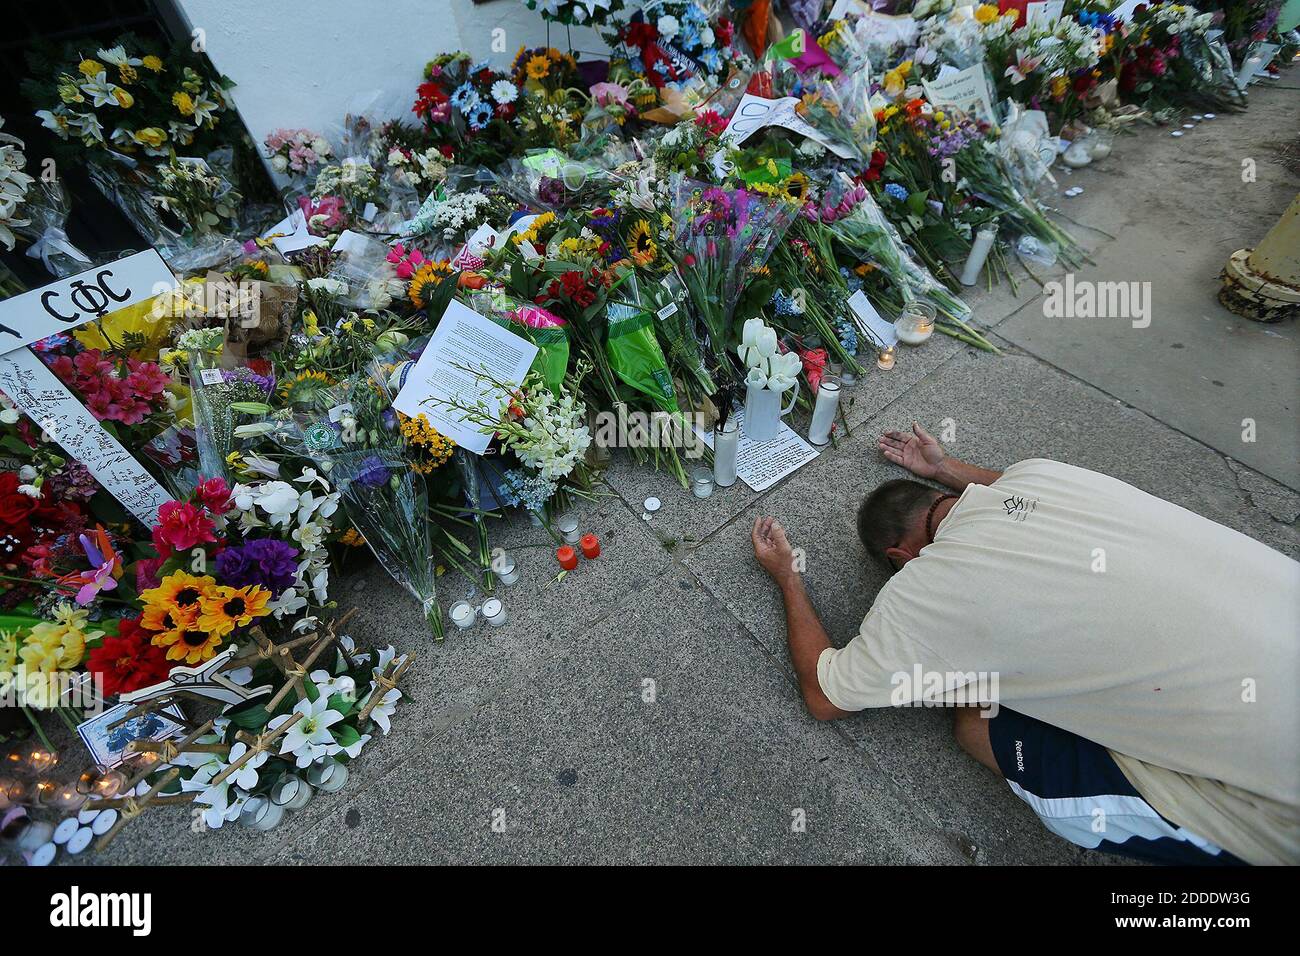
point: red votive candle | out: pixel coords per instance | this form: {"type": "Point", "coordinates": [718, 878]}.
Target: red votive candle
{"type": "Point", "coordinates": [590, 546]}
{"type": "Point", "coordinates": [567, 557]}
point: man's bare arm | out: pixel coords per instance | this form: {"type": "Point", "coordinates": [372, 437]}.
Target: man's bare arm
{"type": "Point", "coordinates": [924, 457]}
{"type": "Point", "coordinates": [807, 639]}
{"type": "Point", "coordinates": [804, 632]}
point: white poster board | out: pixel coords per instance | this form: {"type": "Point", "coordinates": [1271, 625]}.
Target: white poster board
{"type": "Point", "coordinates": [462, 346]}
{"type": "Point", "coordinates": [754, 113]}
{"type": "Point", "coordinates": [64, 304]}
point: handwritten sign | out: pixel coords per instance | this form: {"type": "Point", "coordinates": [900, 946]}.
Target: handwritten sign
{"type": "Point", "coordinates": [67, 303]}
{"type": "Point", "coordinates": [1044, 13]}
{"type": "Point", "coordinates": [966, 90]}
{"type": "Point", "coordinates": [870, 321]}
{"type": "Point", "coordinates": [35, 390]}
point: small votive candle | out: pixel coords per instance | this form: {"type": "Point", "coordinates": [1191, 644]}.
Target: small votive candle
{"type": "Point", "coordinates": [494, 612]}
{"type": "Point", "coordinates": [261, 813]}
{"type": "Point", "coordinates": [35, 833]}
{"type": "Point", "coordinates": [569, 530]}
{"type": "Point", "coordinates": [328, 775]}
{"type": "Point", "coordinates": [567, 557]}
{"type": "Point", "coordinates": [43, 855]}
{"type": "Point", "coordinates": [702, 482]}
{"type": "Point", "coordinates": [66, 830]}
{"type": "Point", "coordinates": [505, 568]}
{"type": "Point", "coordinates": [80, 840]}
{"type": "Point", "coordinates": [885, 360]}
{"type": "Point", "coordinates": [462, 614]}
{"type": "Point", "coordinates": [291, 792]}
{"type": "Point", "coordinates": [590, 545]}
{"type": "Point", "coordinates": [67, 797]}
{"type": "Point", "coordinates": [916, 324]}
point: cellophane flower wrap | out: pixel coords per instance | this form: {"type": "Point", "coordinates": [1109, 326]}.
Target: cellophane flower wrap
{"type": "Point", "coordinates": [228, 404]}
{"type": "Point", "coordinates": [723, 235]}
{"type": "Point", "coordinates": [352, 434]}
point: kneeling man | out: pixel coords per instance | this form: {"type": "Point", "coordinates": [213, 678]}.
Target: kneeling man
{"type": "Point", "coordinates": [1144, 659]}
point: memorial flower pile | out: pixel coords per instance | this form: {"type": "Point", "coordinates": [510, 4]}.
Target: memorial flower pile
{"type": "Point", "coordinates": [697, 209]}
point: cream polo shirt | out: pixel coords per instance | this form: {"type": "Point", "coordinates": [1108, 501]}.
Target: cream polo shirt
{"type": "Point", "coordinates": [1105, 611]}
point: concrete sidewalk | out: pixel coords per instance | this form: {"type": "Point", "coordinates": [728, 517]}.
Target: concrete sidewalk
{"type": "Point", "coordinates": [643, 709]}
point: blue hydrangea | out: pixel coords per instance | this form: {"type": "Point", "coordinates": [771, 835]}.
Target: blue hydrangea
{"type": "Point", "coordinates": [785, 304]}
{"type": "Point", "coordinates": [897, 191]}
{"type": "Point", "coordinates": [520, 489]}
{"type": "Point", "coordinates": [847, 333]}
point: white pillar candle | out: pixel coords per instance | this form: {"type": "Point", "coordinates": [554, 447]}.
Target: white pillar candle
{"type": "Point", "coordinates": [569, 530]}
{"type": "Point", "coordinates": [462, 614]}
{"type": "Point", "coordinates": [823, 418]}
{"type": "Point", "coordinates": [979, 252]}
{"type": "Point", "coordinates": [726, 443]}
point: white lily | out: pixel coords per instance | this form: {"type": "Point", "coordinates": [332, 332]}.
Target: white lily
{"type": "Point", "coordinates": [309, 739]}
{"type": "Point", "coordinates": [386, 707]}
{"type": "Point", "coordinates": [246, 776]}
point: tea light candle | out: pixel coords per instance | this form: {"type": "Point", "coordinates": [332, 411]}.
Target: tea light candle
{"type": "Point", "coordinates": [261, 813]}
{"type": "Point", "coordinates": [885, 360]}
{"type": "Point", "coordinates": [67, 797]}
{"type": "Point", "coordinates": [80, 840]}
{"type": "Point", "coordinates": [19, 792]}
{"type": "Point", "coordinates": [702, 482]}
{"type": "Point", "coordinates": [567, 557]}
{"type": "Point", "coordinates": [494, 612]}
{"type": "Point", "coordinates": [328, 775]}
{"type": "Point", "coordinates": [569, 530]}
{"type": "Point", "coordinates": [66, 830]}
{"type": "Point", "coordinates": [916, 324]}
{"type": "Point", "coordinates": [507, 571]}
{"type": "Point", "coordinates": [462, 614]}
{"type": "Point", "coordinates": [590, 545]}
{"type": "Point", "coordinates": [103, 822]}
{"type": "Point", "coordinates": [40, 759]}
{"type": "Point", "coordinates": [291, 792]}
{"type": "Point", "coordinates": [43, 855]}
{"type": "Point", "coordinates": [1210, 115]}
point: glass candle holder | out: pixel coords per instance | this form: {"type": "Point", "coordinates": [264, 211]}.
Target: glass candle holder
{"type": "Point", "coordinates": [494, 612]}
{"type": "Point", "coordinates": [505, 568]}
{"type": "Point", "coordinates": [66, 797]}
{"type": "Point", "coordinates": [261, 813]}
{"type": "Point", "coordinates": [885, 360]}
{"type": "Point", "coordinates": [328, 775]}
{"type": "Point", "coordinates": [462, 614]}
{"type": "Point", "coordinates": [569, 530]}
{"type": "Point", "coordinates": [916, 323]}
{"type": "Point", "coordinates": [291, 792]}
{"type": "Point", "coordinates": [39, 760]}
{"type": "Point", "coordinates": [702, 482]}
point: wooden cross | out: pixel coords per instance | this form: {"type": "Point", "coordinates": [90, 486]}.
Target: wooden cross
{"type": "Point", "coordinates": [383, 684]}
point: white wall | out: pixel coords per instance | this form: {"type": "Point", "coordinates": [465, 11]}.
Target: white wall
{"type": "Point", "coordinates": [307, 62]}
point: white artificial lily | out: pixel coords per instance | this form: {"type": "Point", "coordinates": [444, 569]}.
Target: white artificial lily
{"type": "Point", "coordinates": [309, 739]}
{"type": "Point", "coordinates": [757, 342]}
{"type": "Point", "coordinates": [353, 750]}
{"type": "Point", "coordinates": [386, 707]}
{"type": "Point", "coordinates": [289, 602]}
{"type": "Point", "coordinates": [329, 685]}
{"type": "Point", "coordinates": [246, 776]}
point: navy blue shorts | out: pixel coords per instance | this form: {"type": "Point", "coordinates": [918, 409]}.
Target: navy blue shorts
{"type": "Point", "coordinates": [1079, 792]}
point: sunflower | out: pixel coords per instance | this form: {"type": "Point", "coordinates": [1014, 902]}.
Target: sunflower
{"type": "Point", "coordinates": [225, 608]}
{"type": "Point", "coordinates": [156, 617]}
{"type": "Point", "coordinates": [796, 188]}
{"type": "Point", "coordinates": [178, 590]}
{"type": "Point", "coordinates": [537, 67]}
{"type": "Point", "coordinates": [641, 245]}
{"type": "Point", "coordinates": [305, 387]}
{"type": "Point", "coordinates": [428, 276]}
{"type": "Point", "coordinates": [188, 644]}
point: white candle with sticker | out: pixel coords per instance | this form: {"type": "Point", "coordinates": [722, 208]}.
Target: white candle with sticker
{"type": "Point", "coordinates": [823, 418]}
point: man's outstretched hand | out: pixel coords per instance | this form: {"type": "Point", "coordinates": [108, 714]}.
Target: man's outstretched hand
{"type": "Point", "coordinates": [918, 452]}
{"type": "Point", "coordinates": [773, 551]}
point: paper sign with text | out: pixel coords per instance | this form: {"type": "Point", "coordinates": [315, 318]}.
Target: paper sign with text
{"type": "Point", "coordinates": [881, 331]}
{"type": "Point", "coordinates": [756, 112]}
{"type": "Point", "coordinates": [36, 392]}
{"type": "Point", "coordinates": [67, 303]}
{"type": "Point", "coordinates": [966, 90]}
{"type": "Point", "coordinates": [464, 351]}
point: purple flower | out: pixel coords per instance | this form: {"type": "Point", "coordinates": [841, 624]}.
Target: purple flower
{"type": "Point", "coordinates": [265, 561]}
{"type": "Point", "coordinates": [373, 472]}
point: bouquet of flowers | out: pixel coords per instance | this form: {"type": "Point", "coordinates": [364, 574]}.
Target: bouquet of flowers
{"type": "Point", "coordinates": [14, 185]}
{"type": "Point", "coordinates": [297, 152]}
{"type": "Point", "coordinates": [725, 235]}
